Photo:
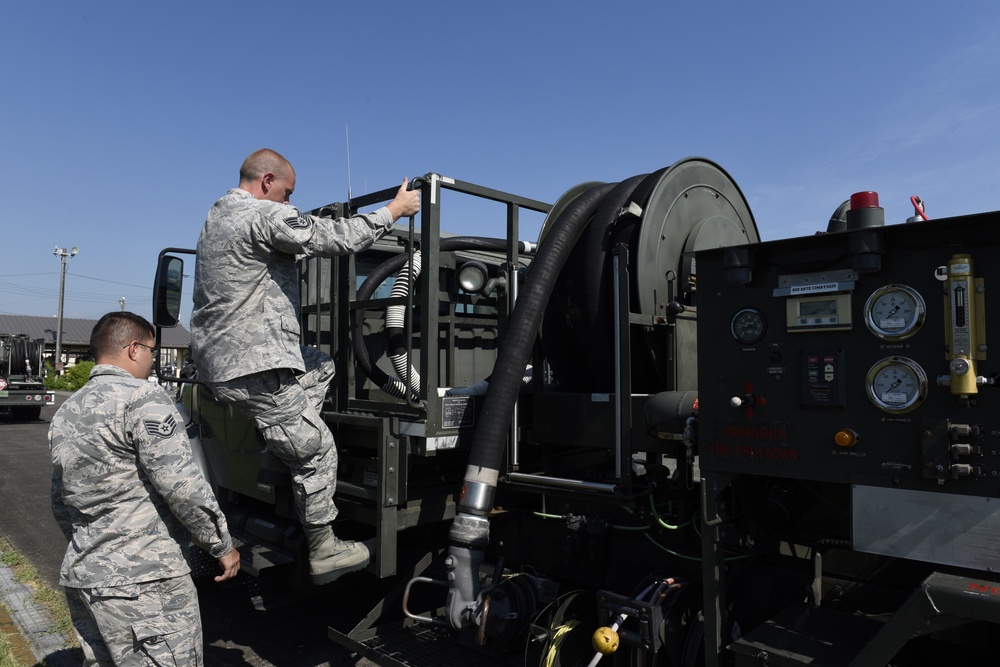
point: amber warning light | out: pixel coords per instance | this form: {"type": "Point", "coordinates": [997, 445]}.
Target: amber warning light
{"type": "Point", "coordinates": [846, 438]}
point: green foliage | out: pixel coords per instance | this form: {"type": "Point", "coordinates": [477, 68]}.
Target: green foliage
{"type": "Point", "coordinates": [50, 375]}
{"type": "Point", "coordinates": [71, 380]}
{"type": "Point", "coordinates": [7, 658]}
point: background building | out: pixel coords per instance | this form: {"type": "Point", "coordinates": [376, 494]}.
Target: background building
{"type": "Point", "coordinates": [75, 341]}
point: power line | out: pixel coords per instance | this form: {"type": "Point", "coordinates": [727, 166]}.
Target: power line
{"type": "Point", "coordinates": [44, 293]}
{"type": "Point", "coordinates": [28, 290]}
{"type": "Point", "coordinates": [75, 275]}
{"type": "Point", "coordinates": [18, 275]}
{"type": "Point", "coordinates": [114, 282]}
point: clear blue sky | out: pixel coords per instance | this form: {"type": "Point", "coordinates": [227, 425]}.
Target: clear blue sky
{"type": "Point", "coordinates": [123, 121]}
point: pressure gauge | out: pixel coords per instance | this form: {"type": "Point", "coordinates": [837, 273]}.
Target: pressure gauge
{"type": "Point", "coordinates": [748, 326]}
{"type": "Point", "coordinates": [894, 312]}
{"type": "Point", "coordinates": [896, 385]}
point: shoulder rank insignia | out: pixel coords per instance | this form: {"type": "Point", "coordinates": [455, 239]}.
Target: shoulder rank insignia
{"type": "Point", "coordinates": [163, 428]}
{"type": "Point", "coordinates": [298, 222]}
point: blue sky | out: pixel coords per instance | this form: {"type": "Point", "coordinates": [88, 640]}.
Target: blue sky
{"type": "Point", "coordinates": [123, 121]}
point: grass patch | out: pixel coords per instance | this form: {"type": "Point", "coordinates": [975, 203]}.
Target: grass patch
{"type": "Point", "coordinates": [14, 650]}
{"type": "Point", "coordinates": [54, 602]}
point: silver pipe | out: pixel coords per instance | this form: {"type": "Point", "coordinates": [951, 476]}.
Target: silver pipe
{"type": "Point", "coordinates": [562, 483]}
{"type": "Point", "coordinates": [616, 268]}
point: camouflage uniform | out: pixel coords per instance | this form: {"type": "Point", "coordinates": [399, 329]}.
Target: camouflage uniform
{"type": "Point", "coordinates": [129, 498]}
{"type": "Point", "coordinates": [245, 329]}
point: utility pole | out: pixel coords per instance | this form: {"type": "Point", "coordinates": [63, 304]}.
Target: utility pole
{"type": "Point", "coordinates": [63, 255]}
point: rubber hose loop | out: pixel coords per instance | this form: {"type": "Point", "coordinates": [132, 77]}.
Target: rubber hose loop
{"type": "Point", "coordinates": [491, 432]}
{"type": "Point", "coordinates": [380, 274]}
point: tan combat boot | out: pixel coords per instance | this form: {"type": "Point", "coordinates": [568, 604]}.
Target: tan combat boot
{"type": "Point", "coordinates": [330, 557]}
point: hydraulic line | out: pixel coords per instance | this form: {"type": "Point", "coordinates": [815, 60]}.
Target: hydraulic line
{"type": "Point", "coordinates": [395, 325]}
{"type": "Point", "coordinates": [488, 441]}
{"type": "Point", "coordinates": [576, 331]}
{"type": "Point", "coordinates": [469, 532]}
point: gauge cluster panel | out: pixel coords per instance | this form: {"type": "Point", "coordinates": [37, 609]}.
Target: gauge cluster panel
{"type": "Point", "coordinates": [858, 357]}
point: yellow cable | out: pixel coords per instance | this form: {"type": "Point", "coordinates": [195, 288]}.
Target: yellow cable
{"type": "Point", "coordinates": [556, 642]}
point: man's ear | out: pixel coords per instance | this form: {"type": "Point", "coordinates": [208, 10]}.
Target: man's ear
{"type": "Point", "coordinates": [266, 181]}
{"type": "Point", "coordinates": [131, 352]}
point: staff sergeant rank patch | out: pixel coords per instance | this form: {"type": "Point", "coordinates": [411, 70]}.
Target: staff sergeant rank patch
{"type": "Point", "coordinates": [298, 222]}
{"type": "Point", "coordinates": [164, 428]}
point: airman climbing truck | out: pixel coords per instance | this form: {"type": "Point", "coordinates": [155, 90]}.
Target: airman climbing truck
{"type": "Point", "coordinates": [647, 438]}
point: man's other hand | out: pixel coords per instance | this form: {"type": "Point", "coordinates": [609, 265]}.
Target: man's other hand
{"type": "Point", "coordinates": [230, 564]}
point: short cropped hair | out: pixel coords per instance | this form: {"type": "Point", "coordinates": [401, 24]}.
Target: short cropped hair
{"type": "Point", "coordinates": [261, 162]}
{"type": "Point", "coordinates": [116, 330]}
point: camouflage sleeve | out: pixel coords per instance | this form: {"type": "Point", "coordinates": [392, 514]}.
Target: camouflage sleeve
{"type": "Point", "coordinates": [287, 230]}
{"type": "Point", "coordinates": [164, 453]}
{"type": "Point", "coordinates": [59, 509]}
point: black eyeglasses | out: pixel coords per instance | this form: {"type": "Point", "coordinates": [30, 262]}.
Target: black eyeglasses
{"type": "Point", "coordinates": [152, 350]}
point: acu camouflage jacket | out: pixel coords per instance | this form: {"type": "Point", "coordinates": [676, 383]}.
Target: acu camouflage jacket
{"type": "Point", "coordinates": [246, 280]}
{"type": "Point", "coordinates": [125, 488]}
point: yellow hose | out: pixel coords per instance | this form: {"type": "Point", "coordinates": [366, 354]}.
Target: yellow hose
{"type": "Point", "coordinates": [556, 642]}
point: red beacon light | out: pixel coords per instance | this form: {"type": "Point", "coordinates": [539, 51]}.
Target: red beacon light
{"type": "Point", "coordinates": [868, 199]}
{"type": "Point", "coordinates": [865, 211]}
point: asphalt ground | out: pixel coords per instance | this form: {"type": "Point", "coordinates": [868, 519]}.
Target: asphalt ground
{"type": "Point", "coordinates": [291, 632]}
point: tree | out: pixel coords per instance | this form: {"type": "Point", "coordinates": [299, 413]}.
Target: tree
{"type": "Point", "coordinates": [71, 380]}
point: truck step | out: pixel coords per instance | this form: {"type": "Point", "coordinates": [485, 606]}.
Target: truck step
{"type": "Point", "coordinates": [255, 556]}
{"type": "Point", "coordinates": [421, 646]}
{"type": "Point", "coordinates": [805, 635]}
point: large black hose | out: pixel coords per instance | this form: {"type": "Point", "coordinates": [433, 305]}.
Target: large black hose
{"type": "Point", "coordinates": [578, 321]}
{"type": "Point", "coordinates": [469, 532]}
{"type": "Point", "coordinates": [494, 420]}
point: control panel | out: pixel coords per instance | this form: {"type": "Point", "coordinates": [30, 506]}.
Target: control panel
{"type": "Point", "coordinates": [855, 357]}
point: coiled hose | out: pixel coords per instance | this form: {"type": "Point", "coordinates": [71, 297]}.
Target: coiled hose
{"type": "Point", "coordinates": [395, 323]}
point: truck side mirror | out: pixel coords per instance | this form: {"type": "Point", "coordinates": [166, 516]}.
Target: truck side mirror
{"type": "Point", "coordinates": [167, 291]}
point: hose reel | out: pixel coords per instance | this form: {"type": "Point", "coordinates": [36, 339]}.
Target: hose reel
{"type": "Point", "coordinates": [661, 218]}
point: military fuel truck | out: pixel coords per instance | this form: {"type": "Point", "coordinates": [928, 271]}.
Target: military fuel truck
{"type": "Point", "coordinates": [646, 437]}
{"type": "Point", "coordinates": [22, 384]}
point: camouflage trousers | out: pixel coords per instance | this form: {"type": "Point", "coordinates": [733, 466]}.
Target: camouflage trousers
{"type": "Point", "coordinates": [286, 408]}
{"type": "Point", "coordinates": [153, 623]}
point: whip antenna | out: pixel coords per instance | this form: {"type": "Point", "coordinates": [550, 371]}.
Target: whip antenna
{"type": "Point", "coordinates": [347, 135]}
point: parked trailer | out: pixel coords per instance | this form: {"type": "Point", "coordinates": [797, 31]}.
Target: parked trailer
{"type": "Point", "coordinates": [22, 384]}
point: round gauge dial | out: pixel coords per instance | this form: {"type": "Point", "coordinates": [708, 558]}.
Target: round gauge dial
{"type": "Point", "coordinates": [894, 312]}
{"type": "Point", "coordinates": [748, 326]}
{"type": "Point", "coordinates": [896, 385]}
